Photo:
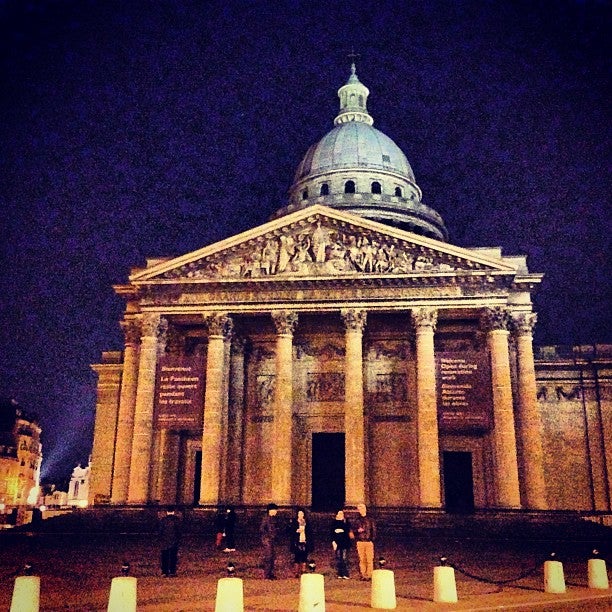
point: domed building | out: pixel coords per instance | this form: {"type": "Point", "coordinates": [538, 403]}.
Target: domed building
{"type": "Point", "coordinates": [345, 352]}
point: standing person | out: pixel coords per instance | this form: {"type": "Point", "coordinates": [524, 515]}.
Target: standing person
{"type": "Point", "coordinates": [227, 527]}
{"type": "Point", "coordinates": [268, 531]}
{"type": "Point", "coordinates": [341, 542]}
{"type": "Point", "coordinates": [365, 534]}
{"type": "Point", "coordinates": [300, 541]}
{"type": "Point", "coordinates": [169, 537]}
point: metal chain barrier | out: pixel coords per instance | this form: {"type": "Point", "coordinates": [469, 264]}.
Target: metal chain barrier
{"type": "Point", "coordinates": [526, 574]}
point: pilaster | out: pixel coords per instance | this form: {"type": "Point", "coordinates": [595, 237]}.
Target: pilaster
{"type": "Point", "coordinates": [236, 421]}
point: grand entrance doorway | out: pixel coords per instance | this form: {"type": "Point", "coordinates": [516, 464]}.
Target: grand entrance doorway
{"type": "Point", "coordinates": [327, 471]}
{"type": "Point", "coordinates": [458, 482]}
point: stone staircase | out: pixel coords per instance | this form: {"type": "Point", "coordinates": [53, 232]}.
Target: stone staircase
{"type": "Point", "coordinates": [396, 523]}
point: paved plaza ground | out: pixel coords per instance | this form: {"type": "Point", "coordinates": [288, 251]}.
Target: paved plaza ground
{"type": "Point", "coordinates": [76, 572]}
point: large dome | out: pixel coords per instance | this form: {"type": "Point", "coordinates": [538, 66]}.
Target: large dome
{"type": "Point", "coordinates": [354, 145]}
{"type": "Point", "coordinates": [357, 168]}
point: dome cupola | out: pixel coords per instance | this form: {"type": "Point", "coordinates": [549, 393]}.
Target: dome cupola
{"type": "Point", "coordinates": [357, 168]}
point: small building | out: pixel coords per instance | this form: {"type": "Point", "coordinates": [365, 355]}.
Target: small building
{"type": "Point", "coordinates": [78, 489]}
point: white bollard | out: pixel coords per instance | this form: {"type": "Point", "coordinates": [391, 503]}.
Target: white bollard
{"type": "Point", "coordinates": [554, 580]}
{"type": "Point", "coordinates": [383, 590]}
{"type": "Point", "coordinates": [26, 594]}
{"type": "Point", "coordinates": [312, 593]}
{"type": "Point", "coordinates": [122, 596]}
{"type": "Point", "coordinates": [230, 595]}
{"type": "Point", "coordinates": [598, 574]}
{"type": "Point", "coordinates": [445, 588]}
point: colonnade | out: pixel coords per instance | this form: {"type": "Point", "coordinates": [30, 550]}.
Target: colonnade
{"type": "Point", "coordinates": [132, 478]}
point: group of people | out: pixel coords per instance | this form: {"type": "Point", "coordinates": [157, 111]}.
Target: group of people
{"type": "Point", "coordinates": [343, 534]}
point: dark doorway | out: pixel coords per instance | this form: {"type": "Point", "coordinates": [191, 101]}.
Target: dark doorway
{"type": "Point", "coordinates": [327, 471]}
{"type": "Point", "coordinates": [458, 482]}
{"type": "Point", "coordinates": [197, 477]}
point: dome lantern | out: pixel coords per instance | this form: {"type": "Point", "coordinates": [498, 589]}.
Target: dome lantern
{"type": "Point", "coordinates": [353, 101]}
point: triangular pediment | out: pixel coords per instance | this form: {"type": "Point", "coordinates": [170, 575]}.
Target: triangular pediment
{"type": "Point", "coordinates": [320, 242]}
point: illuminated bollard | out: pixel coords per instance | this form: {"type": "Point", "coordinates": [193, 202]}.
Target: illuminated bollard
{"type": "Point", "coordinates": [312, 593]}
{"type": "Point", "coordinates": [122, 596]}
{"type": "Point", "coordinates": [554, 580]}
{"type": "Point", "coordinates": [598, 574]}
{"type": "Point", "coordinates": [26, 594]}
{"type": "Point", "coordinates": [445, 588]}
{"type": "Point", "coordinates": [230, 597]}
{"type": "Point", "coordinates": [383, 590]}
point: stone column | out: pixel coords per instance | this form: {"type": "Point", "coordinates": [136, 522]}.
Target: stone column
{"type": "Point", "coordinates": [167, 481]}
{"type": "Point", "coordinates": [496, 321]}
{"type": "Point", "coordinates": [354, 464]}
{"type": "Point", "coordinates": [153, 328]}
{"type": "Point", "coordinates": [235, 421]}
{"type": "Point", "coordinates": [424, 320]}
{"type": "Point", "coordinates": [219, 328]}
{"type": "Point", "coordinates": [127, 406]}
{"type": "Point", "coordinates": [530, 420]}
{"type": "Point", "coordinates": [285, 322]}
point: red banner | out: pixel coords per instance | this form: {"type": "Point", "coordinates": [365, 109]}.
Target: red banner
{"type": "Point", "coordinates": [179, 392]}
{"type": "Point", "coordinates": [464, 391]}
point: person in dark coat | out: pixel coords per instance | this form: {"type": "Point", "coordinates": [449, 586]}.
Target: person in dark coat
{"type": "Point", "coordinates": [169, 538]}
{"type": "Point", "coordinates": [341, 536]}
{"type": "Point", "coordinates": [300, 541]}
{"type": "Point", "coordinates": [226, 528]}
{"type": "Point", "coordinates": [269, 532]}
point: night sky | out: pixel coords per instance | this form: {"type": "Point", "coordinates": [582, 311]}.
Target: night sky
{"type": "Point", "coordinates": [136, 129]}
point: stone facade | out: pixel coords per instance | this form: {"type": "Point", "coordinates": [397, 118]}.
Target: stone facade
{"type": "Point", "coordinates": [343, 353]}
{"type": "Point", "coordinates": [20, 456]}
{"type": "Point", "coordinates": [286, 356]}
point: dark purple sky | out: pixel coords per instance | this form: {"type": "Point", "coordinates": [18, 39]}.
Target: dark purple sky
{"type": "Point", "coordinates": [134, 129]}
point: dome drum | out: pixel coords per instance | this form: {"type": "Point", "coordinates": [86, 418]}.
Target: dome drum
{"type": "Point", "coordinates": [357, 168]}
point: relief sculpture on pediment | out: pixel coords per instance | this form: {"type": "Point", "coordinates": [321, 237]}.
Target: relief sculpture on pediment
{"type": "Point", "coordinates": [318, 249]}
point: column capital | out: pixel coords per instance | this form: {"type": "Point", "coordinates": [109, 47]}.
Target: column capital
{"type": "Point", "coordinates": [219, 324]}
{"type": "Point", "coordinates": [238, 343]}
{"type": "Point", "coordinates": [152, 325]}
{"type": "Point", "coordinates": [131, 331]}
{"type": "Point", "coordinates": [523, 323]}
{"type": "Point", "coordinates": [285, 321]}
{"type": "Point", "coordinates": [496, 318]}
{"type": "Point", "coordinates": [424, 318]}
{"type": "Point", "coordinates": [354, 318]}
